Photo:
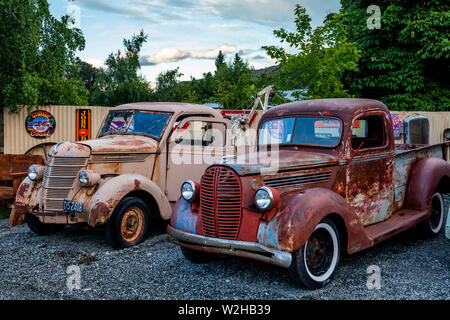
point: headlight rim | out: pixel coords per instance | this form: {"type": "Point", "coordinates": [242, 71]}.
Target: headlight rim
{"type": "Point", "coordinates": [447, 134]}
{"type": "Point", "coordinates": [39, 172]}
{"type": "Point", "coordinates": [195, 188]}
{"type": "Point", "coordinates": [88, 176]}
{"type": "Point", "coordinates": [272, 198]}
{"type": "Point", "coordinates": [36, 172]}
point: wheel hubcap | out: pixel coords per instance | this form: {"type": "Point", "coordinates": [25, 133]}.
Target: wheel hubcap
{"type": "Point", "coordinates": [436, 216]}
{"type": "Point", "coordinates": [319, 252]}
{"type": "Point", "coordinates": [132, 224]}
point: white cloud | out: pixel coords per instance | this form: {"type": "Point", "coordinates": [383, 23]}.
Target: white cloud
{"type": "Point", "coordinates": [177, 54]}
{"type": "Point", "coordinates": [256, 11]}
{"type": "Point", "coordinates": [263, 12]}
{"type": "Point", "coordinates": [229, 26]}
{"type": "Point", "coordinates": [96, 63]}
{"type": "Point", "coordinates": [130, 12]}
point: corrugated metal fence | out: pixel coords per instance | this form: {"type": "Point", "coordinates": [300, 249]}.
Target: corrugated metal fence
{"type": "Point", "coordinates": [18, 141]}
{"type": "Point", "coordinates": [439, 121]}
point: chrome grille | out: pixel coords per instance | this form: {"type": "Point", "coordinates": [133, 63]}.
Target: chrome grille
{"type": "Point", "coordinates": [59, 177]}
{"type": "Point", "coordinates": [303, 179]}
{"type": "Point", "coordinates": [220, 203]}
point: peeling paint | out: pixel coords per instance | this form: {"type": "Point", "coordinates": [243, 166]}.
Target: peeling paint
{"type": "Point", "coordinates": [371, 193]}
{"type": "Point", "coordinates": [186, 221]}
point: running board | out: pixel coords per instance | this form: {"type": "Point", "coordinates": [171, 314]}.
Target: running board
{"type": "Point", "coordinates": [398, 222]}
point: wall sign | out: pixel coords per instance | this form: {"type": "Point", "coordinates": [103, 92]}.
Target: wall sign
{"type": "Point", "coordinates": [397, 122]}
{"type": "Point", "coordinates": [40, 124]}
{"type": "Point", "coordinates": [83, 125]}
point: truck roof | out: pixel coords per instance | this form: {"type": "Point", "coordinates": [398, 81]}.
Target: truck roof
{"type": "Point", "coordinates": [344, 107]}
{"type": "Point", "coordinates": [173, 107]}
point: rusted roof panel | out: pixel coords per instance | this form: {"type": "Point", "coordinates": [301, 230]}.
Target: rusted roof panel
{"type": "Point", "coordinates": [174, 107]}
{"type": "Point", "coordinates": [342, 107]}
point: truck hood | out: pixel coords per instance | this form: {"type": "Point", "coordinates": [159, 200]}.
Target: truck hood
{"type": "Point", "coordinates": [122, 143]}
{"type": "Point", "coordinates": [283, 160]}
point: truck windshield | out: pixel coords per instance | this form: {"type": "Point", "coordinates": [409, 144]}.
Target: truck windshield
{"type": "Point", "coordinates": [301, 130]}
{"type": "Point", "coordinates": [149, 123]}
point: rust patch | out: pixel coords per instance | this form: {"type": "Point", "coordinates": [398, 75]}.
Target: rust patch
{"type": "Point", "coordinates": [99, 213]}
{"type": "Point", "coordinates": [23, 189]}
{"type": "Point", "coordinates": [17, 216]}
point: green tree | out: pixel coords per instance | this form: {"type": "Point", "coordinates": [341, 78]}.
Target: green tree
{"type": "Point", "coordinates": [200, 90]}
{"type": "Point", "coordinates": [87, 73]}
{"type": "Point", "coordinates": [168, 88]}
{"type": "Point", "coordinates": [234, 85]}
{"type": "Point", "coordinates": [231, 85]}
{"type": "Point", "coordinates": [405, 63]}
{"type": "Point", "coordinates": [320, 59]}
{"type": "Point", "coordinates": [220, 60]}
{"type": "Point", "coordinates": [120, 81]}
{"type": "Point", "coordinates": [38, 57]}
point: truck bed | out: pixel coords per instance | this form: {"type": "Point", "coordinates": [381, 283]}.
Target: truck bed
{"type": "Point", "coordinates": [406, 156]}
{"type": "Point", "coordinates": [404, 148]}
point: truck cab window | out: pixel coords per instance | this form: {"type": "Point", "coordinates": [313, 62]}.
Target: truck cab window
{"type": "Point", "coordinates": [368, 132]}
{"type": "Point", "coordinates": [201, 133]}
{"type": "Point", "coordinates": [149, 123]}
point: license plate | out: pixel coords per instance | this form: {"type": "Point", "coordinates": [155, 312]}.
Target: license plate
{"type": "Point", "coordinates": [72, 206]}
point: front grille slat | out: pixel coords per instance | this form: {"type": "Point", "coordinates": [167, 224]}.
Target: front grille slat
{"type": "Point", "coordinates": [59, 177]}
{"type": "Point", "coordinates": [220, 203]}
{"type": "Point", "coordinates": [298, 180]}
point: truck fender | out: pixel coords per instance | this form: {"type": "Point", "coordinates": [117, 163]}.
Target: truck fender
{"type": "Point", "coordinates": [27, 197]}
{"type": "Point", "coordinates": [423, 181]}
{"type": "Point", "coordinates": [183, 217]}
{"type": "Point", "coordinates": [299, 214]}
{"type": "Point", "coordinates": [108, 196]}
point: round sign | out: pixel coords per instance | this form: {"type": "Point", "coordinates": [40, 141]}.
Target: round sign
{"type": "Point", "coordinates": [40, 124]}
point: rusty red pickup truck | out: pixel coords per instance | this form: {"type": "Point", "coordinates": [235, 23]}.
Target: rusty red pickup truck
{"type": "Point", "coordinates": [339, 184]}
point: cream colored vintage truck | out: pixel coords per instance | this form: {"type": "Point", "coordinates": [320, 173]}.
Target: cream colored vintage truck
{"type": "Point", "coordinates": [133, 170]}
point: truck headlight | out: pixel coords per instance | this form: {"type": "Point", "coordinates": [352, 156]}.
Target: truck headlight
{"type": "Point", "coordinates": [88, 178]}
{"type": "Point", "coordinates": [83, 177]}
{"type": "Point", "coordinates": [35, 172]}
{"type": "Point", "coordinates": [447, 134]}
{"type": "Point", "coordinates": [189, 190]}
{"type": "Point", "coordinates": [266, 198]}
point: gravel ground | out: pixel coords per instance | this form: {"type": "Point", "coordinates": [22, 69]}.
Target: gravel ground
{"type": "Point", "coordinates": [35, 267]}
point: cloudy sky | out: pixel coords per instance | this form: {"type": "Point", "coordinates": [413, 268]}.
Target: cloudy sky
{"type": "Point", "coordinates": [186, 33]}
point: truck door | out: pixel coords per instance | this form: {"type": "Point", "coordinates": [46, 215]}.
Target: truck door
{"type": "Point", "coordinates": [195, 144]}
{"type": "Point", "coordinates": [370, 189]}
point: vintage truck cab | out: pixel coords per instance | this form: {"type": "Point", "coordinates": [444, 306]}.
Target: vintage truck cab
{"type": "Point", "coordinates": [132, 170]}
{"type": "Point", "coordinates": [327, 176]}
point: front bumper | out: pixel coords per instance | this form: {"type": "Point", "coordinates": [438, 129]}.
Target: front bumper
{"type": "Point", "coordinates": [19, 210]}
{"type": "Point", "coordinates": [244, 249]}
